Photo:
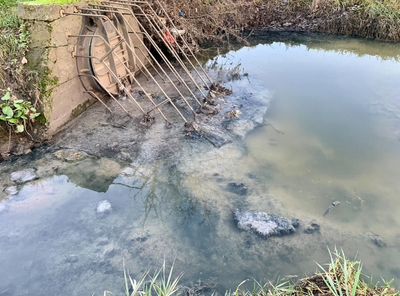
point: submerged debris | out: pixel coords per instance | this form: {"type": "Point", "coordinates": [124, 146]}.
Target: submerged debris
{"type": "Point", "coordinates": [238, 188]}
{"type": "Point", "coordinates": [147, 120]}
{"type": "Point", "coordinates": [234, 113]}
{"type": "Point", "coordinates": [264, 224]}
{"type": "Point", "coordinates": [70, 155]}
{"type": "Point", "coordinates": [209, 109]}
{"type": "Point", "coordinates": [377, 240]}
{"type": "Point", "coordinates": [219, 89]}
{"type": "Point", "coordinates": [104, 207]}
{"type": "Point", "coordinates": [11, 190]}
{"type": "Point", "coordinates": [23, 176]}
{"type": "Point", "coordinates": [331, 207]}
{"type": "Point", "coordinates": [311, 228]}
{"type": "Point", "coordinates": [194, 131]}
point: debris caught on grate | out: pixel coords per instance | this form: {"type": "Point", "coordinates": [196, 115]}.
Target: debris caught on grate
{"type": "Point", "coordinates": [124, 41]}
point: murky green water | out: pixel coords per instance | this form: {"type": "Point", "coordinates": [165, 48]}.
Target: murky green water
{"type": "Point", "coordinates": [331, 133]}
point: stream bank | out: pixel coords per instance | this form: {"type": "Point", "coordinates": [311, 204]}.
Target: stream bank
{"type": "Point", "coordinates": [297, 139]}
{"type": "Point", "coordinates": [46, 82]}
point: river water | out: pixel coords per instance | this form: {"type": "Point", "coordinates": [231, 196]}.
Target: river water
{"type": "Point", "coordinates": [331, 133]}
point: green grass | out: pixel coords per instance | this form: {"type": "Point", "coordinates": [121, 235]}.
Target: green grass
{"type": "Point", "coordinates": [341, 277]}
{"type": "Point", "coordinates": [161, 283]}
{"type": "Point", "coordinates": [17, 82]}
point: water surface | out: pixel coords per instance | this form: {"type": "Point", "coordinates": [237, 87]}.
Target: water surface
{"type": "Point", "coordinates": [331, 133]}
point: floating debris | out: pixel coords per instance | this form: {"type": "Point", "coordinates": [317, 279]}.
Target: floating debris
{"type": "Point", "coordinates": [264, 224]}
{"type": "Point", "coordinates": [377, 240]}
{"type": "Point", "coordinates": [104, 207]}
{"type": "Point", "coordinates": [70, 155]}
{"type": "Point", "coordinates": [238, 188]}
{"type": "Point", "coordinates": [11, 190]}
{"type": "Point", "coordinates": [234, 114]}
{"type": "Point", "coordinates": [313, 227]}
{"type": "Point", "coordinates": [218, 89]}
{"type": "Point", "coordinates": [23, 176]}
{"type": "Point", "coordinates": [331, 207]}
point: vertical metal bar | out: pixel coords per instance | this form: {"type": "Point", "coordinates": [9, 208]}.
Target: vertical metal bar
{"type": "Point", "coordinates": [146, 57]}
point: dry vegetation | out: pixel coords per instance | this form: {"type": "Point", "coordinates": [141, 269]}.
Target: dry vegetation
{"type": "Point", "coordinates": [216, 20]}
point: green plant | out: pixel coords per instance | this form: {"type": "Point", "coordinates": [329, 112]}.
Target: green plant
{"type": "Point", "coordinates": [161, 283]}
{"type": "Point", "coordinates": [343, 277]}
{"type": "Point", "coordinates": [16, 113]}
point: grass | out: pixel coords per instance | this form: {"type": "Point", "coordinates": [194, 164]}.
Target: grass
{"type": "Point", "coordinates": [161, 283]}
{"type": "Point", "coordinates": [17, 80]}
{"type": "Point", "coordinates": [341, 277]}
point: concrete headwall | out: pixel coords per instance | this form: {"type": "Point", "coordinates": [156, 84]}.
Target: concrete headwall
{"type": "Point", "coordinates": [52, 53]}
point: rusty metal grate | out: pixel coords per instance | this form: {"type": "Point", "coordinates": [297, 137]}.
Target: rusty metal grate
{"type": "Point", "coordinates": [121, 39]}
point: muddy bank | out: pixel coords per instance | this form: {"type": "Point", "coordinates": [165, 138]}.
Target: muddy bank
{"type": "Point", "coordinates": [235, 21]}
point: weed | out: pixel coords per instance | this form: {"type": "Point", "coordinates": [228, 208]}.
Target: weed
{"type": "Point", "coordinates": [16, 113]}
{"type": "Point", "coordinates": [18, 84]}
{"type": "Point", "coordinates": [161, 283]}
{"type": "Point", "coordinates": [342, 277]}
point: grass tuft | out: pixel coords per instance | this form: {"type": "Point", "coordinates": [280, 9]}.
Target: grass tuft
{"type": "Point", "coordinates": [341, 277]}
{"type": "Point", "coordinates": [161, 283]}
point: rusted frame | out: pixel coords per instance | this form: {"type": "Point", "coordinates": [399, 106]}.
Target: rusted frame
{"type": "Point", "coordinates": [162, 90]}
{"type": "Point", "coordinates": [98, 99]}
{"type": "Point", "coordinates": [164, 27]}
{"type": "Point", "coordinates": [110, 94]}
{"type": "Point", "coordinates": [158, 49]}
{"type": "Point", "coordinates": [144, 55]}
{"type": "Point", "coordinates": [120, 83]}
{"type": "Point", "coordinates": [154, 24]}
{"type": "Point", "coordinates": [181, 37]}
{"type": "Point", "coordinates": [128, 45]}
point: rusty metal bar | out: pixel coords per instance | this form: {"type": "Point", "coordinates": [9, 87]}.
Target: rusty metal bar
{"type": "Point", "coordinates": [184, 40]}
{"type": "Point", "coordinates": [165, 59]}
{"type": "Point", "coordinates": [144, 55]}
{"type": "Point", "coordinates": [120, 84]}
{"type": "Point", "coordinates": [110, 94]}
{"type": "Point", "coordinates": [179, 47]}
{"type": "Point", "coordinates": [181, 37]}
{"type": "Point", "coordinates": [97, 98]}
{"type": "Point", "coordinates": [158, 30]}
{"type": "Point", "coordinates": [130, 73]}
{"type": "Point", "coordinates": [102, 16]}
{"type": "Point", "coordinates": [172, 83]}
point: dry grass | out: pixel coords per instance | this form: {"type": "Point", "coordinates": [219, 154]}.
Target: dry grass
{"type": "Point", "coordinates": [217, 20]}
